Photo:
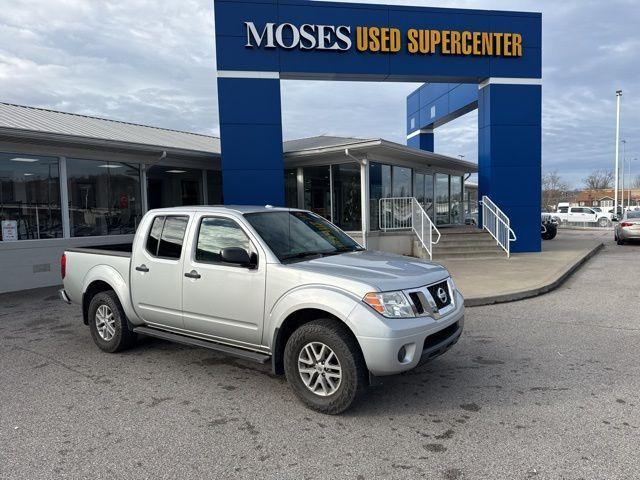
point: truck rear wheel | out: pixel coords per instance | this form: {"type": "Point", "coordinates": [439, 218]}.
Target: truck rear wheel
{"type": "Point", "coordinates": [324, 366]}
{"type": "Point", "coordinates": [108, 323]}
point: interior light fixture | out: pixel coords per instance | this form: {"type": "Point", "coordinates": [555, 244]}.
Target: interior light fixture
{"type": "Point", "coordinates": [176, 171]}
{"type": "Point", "coordinates": [24, 160]}
{"type": "Point", "coordinates": [108, 165]}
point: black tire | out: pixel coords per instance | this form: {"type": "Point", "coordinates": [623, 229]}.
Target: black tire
{"type": "Point", "coordinates": [619, 241]}
{"type": "Point", "coordinates": [122, 338]}
{"type": "Point", "coordinates": [338, 338]}
{"type": "Point", "coordinates": [604, 222]}
{"type": "Point", "coordinates": [551, 232]}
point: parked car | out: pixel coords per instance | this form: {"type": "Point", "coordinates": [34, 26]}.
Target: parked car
{"type": "Point", "coordinates": [582, 215]}
{"type": "Point", "coordinates": [269, 285]}
{"type": "Point", "coordinates": [549, 226]}
{"type": "Point", "coordinates": [603, 213]}
{"type": "Point", "coordinates": [628, 228]}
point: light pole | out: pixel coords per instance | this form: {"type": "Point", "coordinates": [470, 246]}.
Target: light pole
{"type": "Point", "coordinates": [461, 157]}
{"type": "Point", "coordinates": [618, 97]}
{"type": "Point", "coordinates": [630, 182]}
{"type": "Point", "coordinates": [624, 149]}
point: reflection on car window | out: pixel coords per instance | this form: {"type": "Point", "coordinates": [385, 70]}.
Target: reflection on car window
{"type": "Point", "coordinates": [634, 214]}
{"type": "Point", "coordinates": [296, 234]}
{"type": "Point", "coordinates": [216, 234]}
{"type": "Point", "coordinates": [172, 237]}
{"type": "Point", "coordinates": [154, 235]}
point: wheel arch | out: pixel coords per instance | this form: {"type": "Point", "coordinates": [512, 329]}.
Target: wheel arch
{"type": "Point", "coordinates": [102, 278]}
{"type": "Point", "coordinates": [293, 322]}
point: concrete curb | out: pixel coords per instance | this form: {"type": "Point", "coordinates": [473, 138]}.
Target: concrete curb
{"type": "Point", "coordinates": [536, 291]}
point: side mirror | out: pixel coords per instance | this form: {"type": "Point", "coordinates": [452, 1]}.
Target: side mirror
{"type": "Point", "coordinates": [237, 256]}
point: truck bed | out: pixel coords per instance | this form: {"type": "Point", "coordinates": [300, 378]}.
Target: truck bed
{"type": "Point", "coordinates": [118, 250]}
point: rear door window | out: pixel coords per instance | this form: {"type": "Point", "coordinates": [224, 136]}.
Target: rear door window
{"type": "Point", "coordinates": [153, 240]}
{"type": "Point", "coordinates": [172, 237]}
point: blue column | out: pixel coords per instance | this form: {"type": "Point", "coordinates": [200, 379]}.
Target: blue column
{"type": "Point", "coordinates": [251, 141]}
{"type": "Point", "coordinates": [422, 141]}
{"type": "Point", "coordinates": [510, 156]}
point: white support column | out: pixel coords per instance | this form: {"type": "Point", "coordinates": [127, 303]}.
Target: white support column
{"type": "Point", "coordinates": [300, 186]}
{"type": "Point", "coordinates": [64, 198]}
{"type": "Point", "coordinates": [364, 199]}
{"type": "Point", "coordinates": [143, 189]}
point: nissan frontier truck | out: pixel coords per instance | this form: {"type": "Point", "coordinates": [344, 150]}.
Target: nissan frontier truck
{"type": "Point", "coordinates": [270, 285]}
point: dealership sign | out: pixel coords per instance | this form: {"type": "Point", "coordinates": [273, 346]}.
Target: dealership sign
{"type": "Point", "coordinates": [375, 39]}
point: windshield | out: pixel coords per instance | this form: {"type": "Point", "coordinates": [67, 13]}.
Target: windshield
{"type": "Point", "coordinates": [297, 235]}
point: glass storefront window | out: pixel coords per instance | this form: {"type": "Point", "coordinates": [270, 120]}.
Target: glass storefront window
{"type": "Point", "coordinates": [317, 190]}
{"type": "Point", "coordinates": [104, 197]}
{"type": "Point", "coordinates": [291, 188]}
{"type": "Point", "coordinates": [29, 197]}
{"type": "Point", "coordinates": [379, 187]}
{"type": "Point", "coordinates": [418, 187]}
{"type": "Point", "coordinates": [428, 194]}
{"type": "Point", "coordinates": [457, 207]}
{"type": "Point", "coordinates": [174, 187]}
{"type": "Point", "coordinates": [214, 187]}
{"type": "Point", "coordinates": [442, 199]}
{"type": "Point", "coordinates": [401, 182]}
{"type": "Point", "coordinates": [346, 196]}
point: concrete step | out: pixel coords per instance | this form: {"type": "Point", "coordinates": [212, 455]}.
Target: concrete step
{"type": "Point", "coordinates": [495, 253]}
{"type": "Point", "coordinates": [481, 242]}
{"type": "Point", "coordinates": [465, 249]}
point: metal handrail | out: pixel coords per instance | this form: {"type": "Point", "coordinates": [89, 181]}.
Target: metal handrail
{"type": "Point", "coordinates": [497, 223]}
{"type": "Point", "coordinates": [406, 213]}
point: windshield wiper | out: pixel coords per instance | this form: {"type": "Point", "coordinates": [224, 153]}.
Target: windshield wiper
{"type": "Point", "coordinates": [321, 254]}
{"type": "Point", "coordinates": [303, 255]}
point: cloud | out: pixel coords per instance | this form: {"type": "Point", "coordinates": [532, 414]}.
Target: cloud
{"type": "Point", "coordinates": [153, 62]}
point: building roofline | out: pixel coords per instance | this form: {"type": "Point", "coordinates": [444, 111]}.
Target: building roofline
{"type": "Point", "coordinates": [103, 119]}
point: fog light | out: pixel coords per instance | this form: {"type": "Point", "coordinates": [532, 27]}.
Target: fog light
{"type": "Point", "coordinates": [402, 354]}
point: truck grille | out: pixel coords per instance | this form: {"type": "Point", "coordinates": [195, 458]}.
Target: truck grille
{"type": "Point", "coordinates": [441, 295]}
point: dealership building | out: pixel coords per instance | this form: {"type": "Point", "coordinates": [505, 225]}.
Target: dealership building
{"type": "Point", "coordinates": [70, 180]}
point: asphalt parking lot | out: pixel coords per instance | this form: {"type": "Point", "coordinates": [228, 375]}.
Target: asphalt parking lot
{"type": "Point", "coordinates": [544, 388]}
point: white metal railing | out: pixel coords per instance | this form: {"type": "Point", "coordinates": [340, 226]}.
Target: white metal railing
{"type": "Point", "coordinates": [496, 222]}
{"type": "Point", "coordinates": [406, 213]}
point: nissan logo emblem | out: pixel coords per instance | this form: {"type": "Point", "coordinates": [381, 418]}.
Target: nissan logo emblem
{"type": "Point", "coordinates": [442, 295]}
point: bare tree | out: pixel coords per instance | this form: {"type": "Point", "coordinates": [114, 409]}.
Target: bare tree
{"type": "Point", "coordinates": [599, 179]}
{"type": "Point", "coordinates": [554, 190]}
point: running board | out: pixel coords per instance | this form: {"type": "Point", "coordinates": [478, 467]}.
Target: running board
{"type": "Point", "coordinates": [196, 342]}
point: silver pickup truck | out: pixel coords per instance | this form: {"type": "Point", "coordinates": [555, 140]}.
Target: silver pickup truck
{"type": "Point", "coordinates": [269, 285]}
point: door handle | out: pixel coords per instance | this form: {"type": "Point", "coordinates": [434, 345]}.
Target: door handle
{"type": "Point", "coordinates": [193, 274]}
{"type": "Point", "coordinates": [142, 268]}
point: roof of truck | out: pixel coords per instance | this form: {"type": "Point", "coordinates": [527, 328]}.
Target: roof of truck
{"type": "Point", "coordinates": [242, 209]}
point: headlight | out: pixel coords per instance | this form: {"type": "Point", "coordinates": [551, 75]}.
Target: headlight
{"type": "Point", "coordinates": [390, 304]}
{"type": "Point", "coordinates": [452, 284]}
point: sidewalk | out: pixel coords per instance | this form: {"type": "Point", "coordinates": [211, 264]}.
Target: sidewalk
{"type": "Point", "coordinates": [485, 281]}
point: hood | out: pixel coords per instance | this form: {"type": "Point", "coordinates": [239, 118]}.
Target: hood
{"type": "Point", "coordinates": [384, 271]}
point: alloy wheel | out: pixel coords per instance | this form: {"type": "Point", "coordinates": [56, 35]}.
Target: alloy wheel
{"type": "Point", "coordinates": [320, 369]}
{"type": "Point", "coordinates": [105, 322]}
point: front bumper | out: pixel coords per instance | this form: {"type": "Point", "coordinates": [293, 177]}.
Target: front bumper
{"type": "Point", "coordinates": [420, 339]}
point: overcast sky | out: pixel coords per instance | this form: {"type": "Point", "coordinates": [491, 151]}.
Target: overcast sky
{"type": "Point", "coordinates": [153, 62]}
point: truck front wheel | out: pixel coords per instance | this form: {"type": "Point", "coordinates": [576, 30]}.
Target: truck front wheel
{"type": "Point", "coordinates": [108, 323]}
{"type": "Point", "coordinates": [324, 366]}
